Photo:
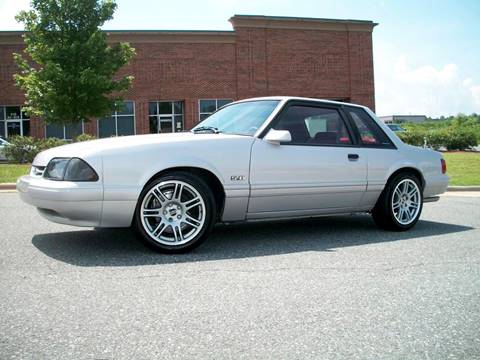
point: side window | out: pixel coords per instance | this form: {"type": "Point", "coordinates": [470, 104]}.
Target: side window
{"type": "Point", "coordinates": [370, 132]}
{"type": "Point", "coordinates": [310, 125]}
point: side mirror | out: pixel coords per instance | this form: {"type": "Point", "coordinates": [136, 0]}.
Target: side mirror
{"type": "Point", "coordinates": [278, 136]}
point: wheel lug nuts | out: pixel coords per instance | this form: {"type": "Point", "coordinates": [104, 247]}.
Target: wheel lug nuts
{"type": "Point", "coordinates": [179, 217]}
{"type": "Point", "coordinates": [165, 212]}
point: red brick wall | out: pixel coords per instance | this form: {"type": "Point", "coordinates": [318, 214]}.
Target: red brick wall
{"type": "Point", "coordinates": [309, 63]}
{"type": "Point", "coordinates": [9, 93]}
{"type": "Point", "coordinates": [262, 61]}
{"type": "Point", "coordinates": [186, 71]}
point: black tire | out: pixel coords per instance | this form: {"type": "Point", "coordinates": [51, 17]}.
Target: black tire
{"type": "Point", "coordinates": [383, 214]}
{"type": "Point", "coordinates": [210, 214]}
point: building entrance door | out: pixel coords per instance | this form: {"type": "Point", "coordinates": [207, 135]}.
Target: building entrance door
{"type": "Point", "coordinates": [13, 128]}
{"type": "Point", "coordinates": [166, 116]}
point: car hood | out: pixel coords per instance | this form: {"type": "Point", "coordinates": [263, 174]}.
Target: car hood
{"type": "Point", "coordinates": [92, 148]}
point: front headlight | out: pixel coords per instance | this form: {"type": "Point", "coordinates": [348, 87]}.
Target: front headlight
{"type": "Point", "coordinates": [69, 169]}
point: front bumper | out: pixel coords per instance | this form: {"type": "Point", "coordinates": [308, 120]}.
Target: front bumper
{"type": "Point", "coordinates": [64, 202]}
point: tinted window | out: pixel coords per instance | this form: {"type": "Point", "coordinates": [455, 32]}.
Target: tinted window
{"type": "Point", "coordinates": [26, 127]}
{"type": "Point", "coordinates": [314, 126]}
{"type": "Point", "coordinates": [125, 108]}
{"type": "Point", "coordinates": [125, 125]}
{"type": "Point", "coordinates": [122, 121]}
{"type": "Point", "coordinates": [106, 127]}
{"type": "Point", "coordinates": [73, 130]}
{"type": "Point", "coordinates": [54, 131]}
{"type": "Point", "coordinates": [207, 106]}
{"type": "Point", "coordinates": [370, 132]}
{"type": "Point", "coordinates": [13, 112]}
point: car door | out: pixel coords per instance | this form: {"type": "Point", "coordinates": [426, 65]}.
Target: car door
{"type": "Point", "coordinates": [321, 170]}
{"type": "Point", "coordinates": [379, 149]}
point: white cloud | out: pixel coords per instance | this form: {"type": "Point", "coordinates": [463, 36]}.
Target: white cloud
{"type": "Point", "coordinates": [8, 10]}
{"type": "Point", "coordinates": [405, 89]}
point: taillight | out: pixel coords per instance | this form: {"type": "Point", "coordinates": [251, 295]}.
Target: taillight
{"type": "Point", "coordinates": [444, 166]}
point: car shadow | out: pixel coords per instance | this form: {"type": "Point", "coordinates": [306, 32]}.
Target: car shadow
{"type": "Point", "coordinates": [119, 247]}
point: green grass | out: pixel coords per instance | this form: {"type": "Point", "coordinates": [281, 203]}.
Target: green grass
{"type": "Point", "coordinates": [10, 172]}
{"type": "Point", "coordinates": [463, 168]}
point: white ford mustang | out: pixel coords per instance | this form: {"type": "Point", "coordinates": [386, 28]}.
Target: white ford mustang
{"type": "Point", "coordinates": [263, 158]}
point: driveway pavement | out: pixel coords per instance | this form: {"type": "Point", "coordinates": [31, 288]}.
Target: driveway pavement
{"type": "Point", "coordinates": [327, 288]}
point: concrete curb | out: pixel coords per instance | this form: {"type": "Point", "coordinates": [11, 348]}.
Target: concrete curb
{"type": "Point", "coordinates": [12, 186]}
{"type": "Point", "coordinates": [464, 188]}
{"type": "Point", "coordinates": [8, 186]}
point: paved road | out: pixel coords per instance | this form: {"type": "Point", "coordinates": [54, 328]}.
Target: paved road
{"type": "Point", "coordinates": [321, 288]}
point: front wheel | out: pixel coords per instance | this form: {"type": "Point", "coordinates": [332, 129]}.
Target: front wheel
{"type": "Point", "coordinates": [175, 213]}
{"type": "Point", "coordinates": [400, 205]}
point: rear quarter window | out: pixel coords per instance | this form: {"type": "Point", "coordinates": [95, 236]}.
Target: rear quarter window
{"type": "Point", "coordinates": [369, 132]}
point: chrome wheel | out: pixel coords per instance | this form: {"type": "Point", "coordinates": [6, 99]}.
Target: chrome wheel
{"type": "Point", "coordinates": [173, 212]}
{"type": "Point", "coordinates": [406, 201]}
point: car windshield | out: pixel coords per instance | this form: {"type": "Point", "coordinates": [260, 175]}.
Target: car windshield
{"type": "Point", "coordinates": [241, 118]}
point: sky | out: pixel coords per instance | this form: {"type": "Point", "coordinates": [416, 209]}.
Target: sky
{"type": "Point", "coordinates": [426, 53]}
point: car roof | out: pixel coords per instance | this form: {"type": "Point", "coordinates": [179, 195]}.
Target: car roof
{"type": "Point", "coordinates": [286, 98]}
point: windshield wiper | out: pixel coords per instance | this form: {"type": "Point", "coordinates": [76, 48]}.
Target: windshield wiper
{"type": "Point", "coordinates": [210, 129]}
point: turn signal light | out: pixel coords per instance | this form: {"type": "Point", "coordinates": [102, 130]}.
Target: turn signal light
{"type": "Point", "coordinates": [444, 166]}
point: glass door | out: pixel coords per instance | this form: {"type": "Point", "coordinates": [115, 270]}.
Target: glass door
{"type": "Point", "coordinates": [166, 116]}
{"type": "Point", "coordinates": [13, 128]}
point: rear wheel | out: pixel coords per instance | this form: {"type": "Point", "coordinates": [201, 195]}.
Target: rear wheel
{"type": "Point", "coordinates": [175, 213]}
{"type": "Point", "coordinates": [400, 205]}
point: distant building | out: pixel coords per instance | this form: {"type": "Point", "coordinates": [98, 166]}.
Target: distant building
{"type": "Point", "coordinates": [399, 119]}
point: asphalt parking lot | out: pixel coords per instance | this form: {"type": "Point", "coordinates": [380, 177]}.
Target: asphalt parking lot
{"type": "Point", "coordinates": [323, 288]}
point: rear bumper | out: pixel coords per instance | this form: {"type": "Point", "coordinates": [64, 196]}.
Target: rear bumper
{"type": "Point", "coordinates": [63, 202]}
{"type": "Point", "coordinates": [435, 186]}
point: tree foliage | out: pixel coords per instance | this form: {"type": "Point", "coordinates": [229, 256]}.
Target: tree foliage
{"type": "Point", "coordinates": [67, 70]}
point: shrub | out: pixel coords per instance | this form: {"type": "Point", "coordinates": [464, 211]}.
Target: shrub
{"type": "Point", "coordinates": [461, 139]}
{"type": "Point", "coordinates": [21, 149]}
{"type": "Point", "coordinates": [84, 137]}
{"type": "Point", "coordinates": [24, 148]}
{"type": "Point", "coordinates": [414, 137]}
{"type": "Point", "coordinates": [44, 144]}
{"type": "Point", "coordinates": [437, 138]}
{"type": "Point", "coordinates": [451, 138]}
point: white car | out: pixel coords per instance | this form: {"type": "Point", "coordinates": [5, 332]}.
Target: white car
{"type": "Point", "coordinates": [3, 143]}
{"type": "Point", "coordinates": [255, 159]}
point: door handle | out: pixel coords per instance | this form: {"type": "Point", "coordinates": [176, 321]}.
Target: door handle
{"type": "Point", "coordinates": [353, 157]}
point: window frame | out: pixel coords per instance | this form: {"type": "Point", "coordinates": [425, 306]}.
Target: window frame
{"type": "Point", "coordinates": [314, 104]}
{"type": "Point", "coordinates": [115, 113]}
{"type": "Point", "coordinates": [377, 128]}
{"type": "Point", "coordinates": [200, 113]}
{"type": "Point", "coordinates": [158, 116]}
{"type": "Point", "coordinates": [20, 120]}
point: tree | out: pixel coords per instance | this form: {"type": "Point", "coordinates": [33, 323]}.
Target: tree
{"type": "Point", "coordinates": [72, 77]}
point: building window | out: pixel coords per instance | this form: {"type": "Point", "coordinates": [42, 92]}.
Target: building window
{"type": "Point", "coordinates": [208, 106]}
{"type": "Point", "coordinates": [13, 121]}
{"type": "Point", "coordinates": [122, 121]}
{"type": "Point", "coordinates": [65, 132]}
{"type": "Point", "coordinates": [165, 116]}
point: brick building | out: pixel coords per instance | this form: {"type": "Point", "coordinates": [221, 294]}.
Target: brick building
{"type": "Point", "coordinates": [183, 76]}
